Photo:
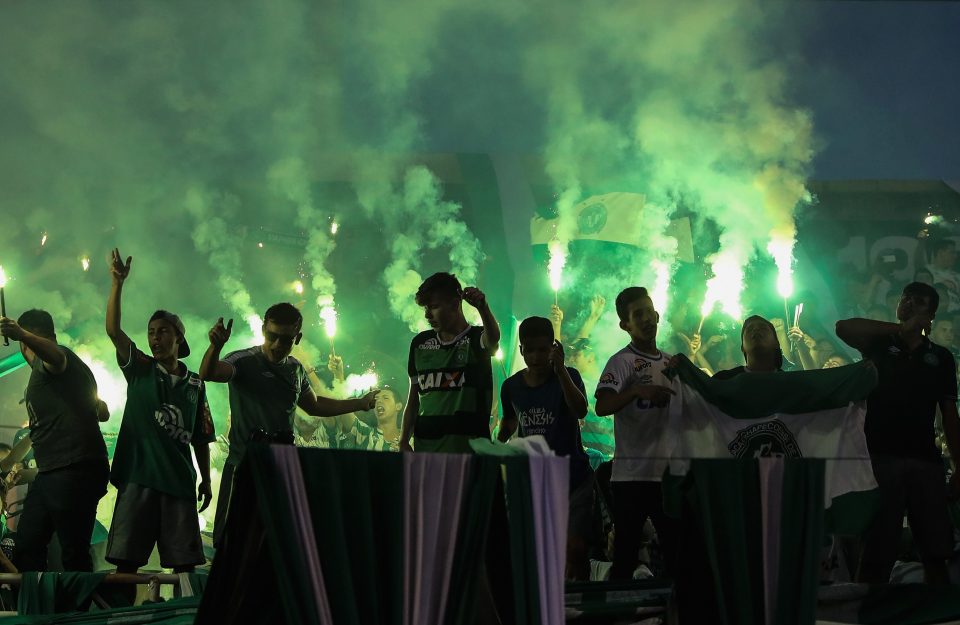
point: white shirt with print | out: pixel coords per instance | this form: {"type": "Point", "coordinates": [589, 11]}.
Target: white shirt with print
{"type": "Point", "coordinates": [643, 441]}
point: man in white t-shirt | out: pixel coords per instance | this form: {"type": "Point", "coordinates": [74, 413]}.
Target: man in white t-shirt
{"type": "Point", "coordinates": [635, 391]}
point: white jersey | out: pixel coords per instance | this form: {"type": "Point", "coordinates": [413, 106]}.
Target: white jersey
{"type": "Point", "coordinates": [642, 437]}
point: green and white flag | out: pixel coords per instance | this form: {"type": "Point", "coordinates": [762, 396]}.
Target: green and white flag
{"type": "Point", "coordinates": [755, 462]}
{"type": "Point", "coordinates": [806, 414]}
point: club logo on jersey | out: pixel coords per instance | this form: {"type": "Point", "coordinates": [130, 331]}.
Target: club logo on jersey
{"type": "Point", "coordinates": [170, 419]}
{"type": "Point", "coordinates": [536, 420]}
{"type": "Point", "coordinates": [608, 378]}
{"type": "Point", "coordinates": [770, 439]}
{"type": "Point", "coordinates": [931, 359]}
{"type": "Point", "coordinates": [433, 343]}
{"type": "Point", "coordinates": [441, 380]}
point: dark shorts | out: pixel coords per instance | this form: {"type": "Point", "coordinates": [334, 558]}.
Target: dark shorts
{"type": "Point", "coordinates": [581, 508]}
{"type": "Point", "coordinates": [917, 487]}
{"type": "Point", "coordinates": [144, 517]}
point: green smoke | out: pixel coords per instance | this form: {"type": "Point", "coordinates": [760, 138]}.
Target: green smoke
{"type": "Point", "coordinates": [178, 131]}
{"type": "Point", "coordinates": [426, 223]}
{"type": "Point", "coordinates": [674, 100]}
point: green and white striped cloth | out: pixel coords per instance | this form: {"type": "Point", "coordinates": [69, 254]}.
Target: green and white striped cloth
{"type": "Point", "coordinates": [756, 461]}
{"type": "Point", "coordinates": [357, 537]}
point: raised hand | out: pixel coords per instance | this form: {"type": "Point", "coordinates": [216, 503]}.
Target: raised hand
{"type": "Point", "coordinates": [220, 334]}
{"type": "Point", "coordinates": [369, 401]}
{"type": "Point", "coordinates": [597, 304]}
{"type": "Point", "coordinates": [118, 269]}
{"type": "Point", "coordinates": [335, 365]}
{"type": "Point", "coordinates": [556, 315]}
{"type": "Point", "coordinates": [693, 343]}
{"type": "Point", "coordinates": [713, 341]}
{"type": "Point", "coordinates": [11, 329]}
{"type": "Point", "coordinates": [557, 357]}
{"type": "Point", "coordinates": [475, 297]}
{"type": "Point", "coordinates": [799, 338]}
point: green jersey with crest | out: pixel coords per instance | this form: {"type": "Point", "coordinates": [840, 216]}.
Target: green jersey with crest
{"type": "Point", "coordinates": [164, 415]}
{"type": "Point", "coordinates": [455, 385]}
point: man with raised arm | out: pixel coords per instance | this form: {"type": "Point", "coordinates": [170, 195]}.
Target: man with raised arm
{"type": "Point", "coordinates": [267, 385]}
{"type": "Point", "coordinates": [916, 377]}
{"type": "Point", "coordinates": [451, 379]}
{"type": "Point", "coordinates": [166, 415]}
{"type": "Point", "coordinates": [65, 415]}
{"type": "Point", "coordinates": [547, 399]}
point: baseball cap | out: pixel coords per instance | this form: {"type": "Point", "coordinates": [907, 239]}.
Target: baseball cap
{"type": "Point", "coordinates": [174, 320]}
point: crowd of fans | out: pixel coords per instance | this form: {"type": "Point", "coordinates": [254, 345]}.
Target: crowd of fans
{"type": "Point", "coordinates": [598, 409]}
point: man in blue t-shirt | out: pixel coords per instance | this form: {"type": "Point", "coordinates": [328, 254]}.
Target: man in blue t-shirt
{"type": "Point", "coordinates": [548, 399]}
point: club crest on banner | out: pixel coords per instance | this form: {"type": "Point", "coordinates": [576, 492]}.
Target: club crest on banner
{"type": "Point", "coordinates": [770, 439]}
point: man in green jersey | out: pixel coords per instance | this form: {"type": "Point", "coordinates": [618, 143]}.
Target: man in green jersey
{"type": "Point", "coordinates": [165, 415]}
{"type": "Point", "coordinates": [267, 385]}
{"type": "Point", "coordinates": [451, 380]}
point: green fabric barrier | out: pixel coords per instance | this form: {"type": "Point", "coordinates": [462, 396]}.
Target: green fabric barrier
{"type": "Point", "coordinates": [721, 503]}
{"type": "Point", "coordinates": [357, 496]}
{"type": "Point", "coordinates": [802, 532]}
{"type": "Point", "coordinates": [245, 583]}
{"type": "Point", "coordinates": [288, 556]}
{"type": "Point", "coordinates": [526, 578]}
{"type": "Point", "coordinates": [723, 496]}
{"type": "Point", "coordinates": [175, 612]}
{"type": "Point", "coordinates": [356, 506]}
{"type": "Point", "coordinates": [468, 562]}
{"type": "Point", "coordinates": [50, 593]}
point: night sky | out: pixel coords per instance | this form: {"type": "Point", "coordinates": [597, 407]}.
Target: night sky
{"type": "Point", "coordinates": [883, 80]}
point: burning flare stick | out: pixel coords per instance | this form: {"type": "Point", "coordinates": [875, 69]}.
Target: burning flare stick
{"type": "Point", "coordinates": [558, 258]}
{"type": "Point", "coordinates": [329, 316]}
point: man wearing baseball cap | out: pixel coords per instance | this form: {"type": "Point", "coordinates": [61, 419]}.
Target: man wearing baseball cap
{"type": "Point", "coordinates": [165, 415]}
